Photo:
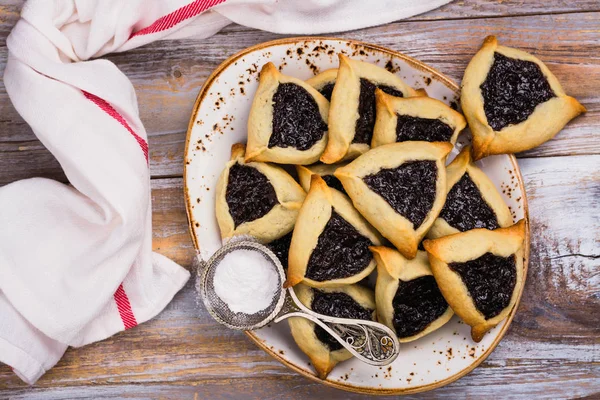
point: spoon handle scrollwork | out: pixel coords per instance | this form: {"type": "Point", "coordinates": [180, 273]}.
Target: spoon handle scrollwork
{"type": "Point", "coordinates": [371, 342]}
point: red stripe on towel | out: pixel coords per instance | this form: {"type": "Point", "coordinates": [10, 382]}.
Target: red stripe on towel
{"type": "Point", "coordinates": [181, 14]}
{"type": "Point", "coordinates": [107, 108]}
{"type": "Point", "coordinates": [124, 307]}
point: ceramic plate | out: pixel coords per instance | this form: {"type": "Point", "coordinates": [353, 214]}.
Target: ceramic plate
{"type": "Point", "coordinates": [219, 120]}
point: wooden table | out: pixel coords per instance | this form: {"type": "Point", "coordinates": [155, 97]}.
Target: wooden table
{"type": "Point", "coordinates": [553, 346]}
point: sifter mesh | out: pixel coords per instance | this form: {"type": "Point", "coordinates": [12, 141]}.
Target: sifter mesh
{"type": "Point", "coordinates": [217, 308]}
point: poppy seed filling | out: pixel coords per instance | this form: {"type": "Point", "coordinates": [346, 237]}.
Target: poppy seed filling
{"type": "Point", "coordinates": [512, 90]}
{"type": "Point", "coordinates": [465, 208]}
{"type": "Point", "coordinates": [490, 280]}
{"type": "Point", "coordinates": [297, 120]}
{"type": "Point", "coordinates": [417, 303]}
{"type": "Point", "coordinates": [363, 132]}
{"type": "Point", "coordinates": [333, 182]}
{"type": "Point", "coordinates": [327, 90]}
{"type": "Point", "coordinates": [249, 194]}
{"type": "Point", "coordinates": [281, 248]}
{"type": "Point", "coordinates": [409, 188]}
{"type": "Point", "coordinates": [424, 129]}
{"type": "Point", "coordinates": [341, 251]}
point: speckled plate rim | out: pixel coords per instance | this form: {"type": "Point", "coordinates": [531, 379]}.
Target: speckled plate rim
{"type": "Point", "coordinates": [451, 85]}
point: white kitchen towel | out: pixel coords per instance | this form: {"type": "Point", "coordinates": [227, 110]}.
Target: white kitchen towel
{"type": "Point", "coordinates": [76, 261]}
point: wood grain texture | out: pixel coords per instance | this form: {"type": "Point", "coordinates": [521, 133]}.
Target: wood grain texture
{"type": "Point", "coordinates": [468, 9]}
{"type": "Point", "coordinates": [552, 349]}
{"type": "Point", "coordinates": [552, 346]}
{"type": "Point", "coordinates": [168, 75]}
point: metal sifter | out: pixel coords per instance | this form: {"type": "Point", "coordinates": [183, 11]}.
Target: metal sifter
{"type": "Point", "coordinates": [370, 342]}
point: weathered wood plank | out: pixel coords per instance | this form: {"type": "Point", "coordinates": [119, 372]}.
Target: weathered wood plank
{"type": "Point", "coordinates": [502, 8]}
{"type": "Point", "coordinates": [290, 387]}
{"type": "Point", "coordinates": [551, 349]}
{"type": "Point", "coordinates": [168, 75]}
{"type": "Point", "coordinates": [563, 286]}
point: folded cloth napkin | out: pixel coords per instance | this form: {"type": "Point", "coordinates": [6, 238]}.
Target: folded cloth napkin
{"type": "Point", "coordinates": [76, 261]}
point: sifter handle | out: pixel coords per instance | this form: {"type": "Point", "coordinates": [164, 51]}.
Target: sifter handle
{"type": "Point", "coordinates": [369, 341]}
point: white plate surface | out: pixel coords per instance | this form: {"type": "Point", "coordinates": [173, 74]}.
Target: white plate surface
{"type": "Point", "coordinates": [219, 120]}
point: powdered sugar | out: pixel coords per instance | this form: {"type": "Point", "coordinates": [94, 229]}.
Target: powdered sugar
{"type": "Point", "coordinates": [246, 281]}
